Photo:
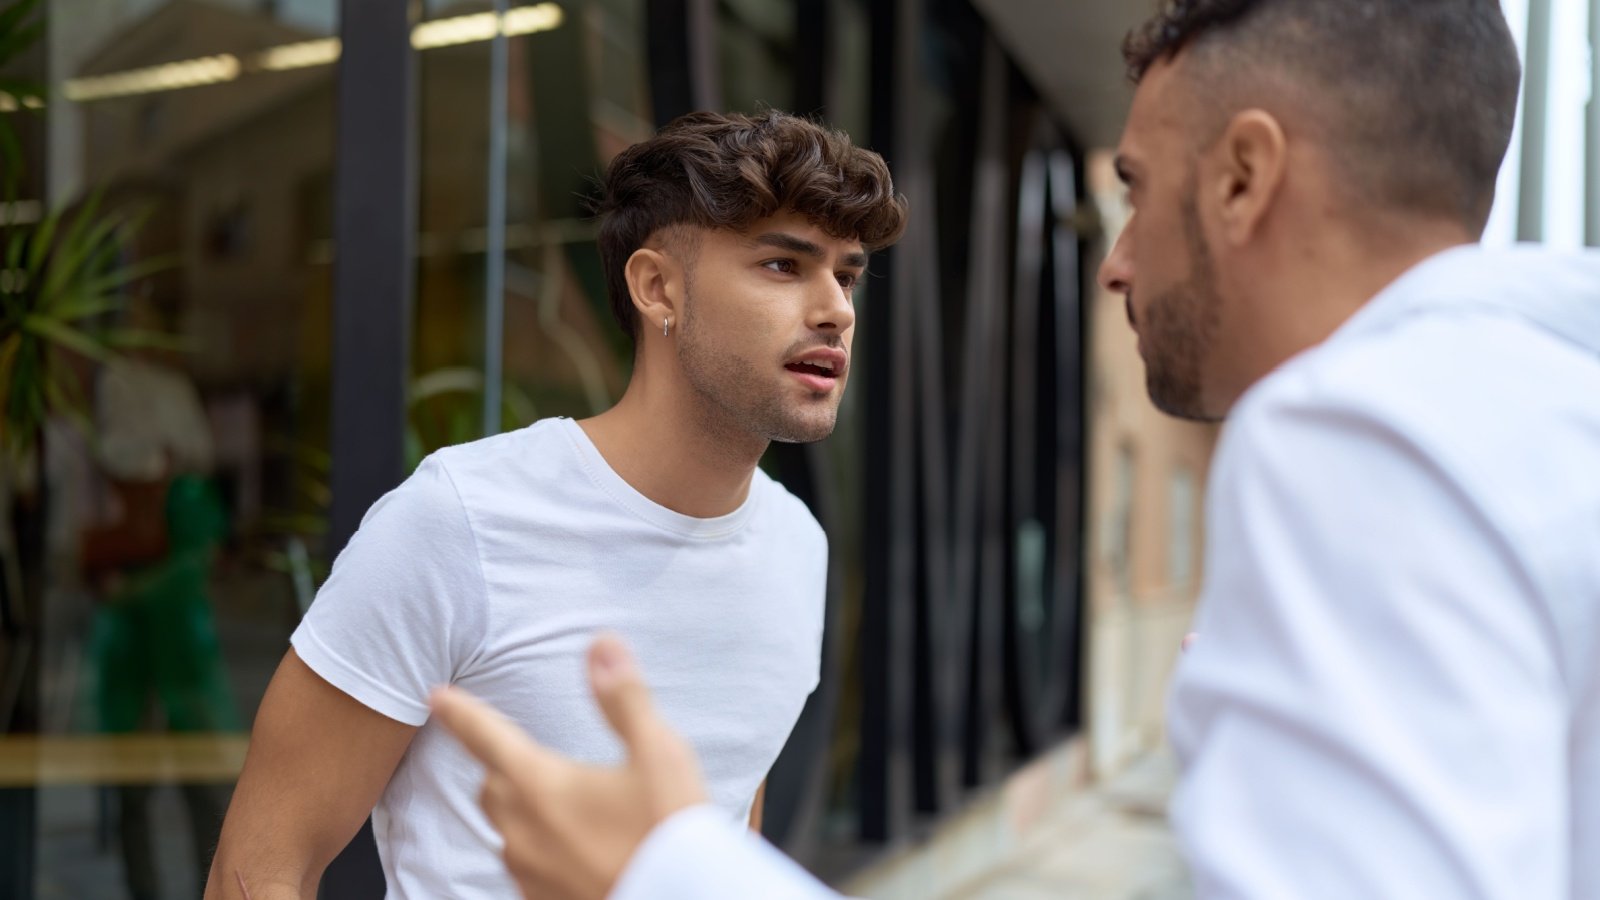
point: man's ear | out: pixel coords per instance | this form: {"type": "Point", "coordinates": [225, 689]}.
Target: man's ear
{"type": "Point", "coordinates": [655, 282]}
{"type": "Point", "coordinates": [1249, 162]}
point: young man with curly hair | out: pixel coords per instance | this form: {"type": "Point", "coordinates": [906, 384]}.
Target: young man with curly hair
{"type": "Point", "coordinates": [731, 246]}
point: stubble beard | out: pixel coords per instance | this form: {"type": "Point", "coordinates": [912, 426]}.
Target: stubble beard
{"type": "Point", "coordinates": [1180, 326]}
{"type": "Point", "coordinates": [738, 401]}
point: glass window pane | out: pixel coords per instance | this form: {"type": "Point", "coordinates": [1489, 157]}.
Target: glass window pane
{"type": "Point", "coordinates": [576, 95]}
{"type": "Point", "coordinates": [167, 534]}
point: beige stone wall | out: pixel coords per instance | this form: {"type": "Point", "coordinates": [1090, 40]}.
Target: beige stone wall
{"type": "Point", "coordinates": [1147, 475]}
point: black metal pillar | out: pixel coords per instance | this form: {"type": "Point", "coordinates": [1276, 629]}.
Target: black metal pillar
{"type": "Point", "coordinates": [889, 553]}
{"type": "Point", "coordinates": [374, 233]}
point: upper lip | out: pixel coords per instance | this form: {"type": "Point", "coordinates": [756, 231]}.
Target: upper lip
{"type": "Point", "coordinates": [826, 357]}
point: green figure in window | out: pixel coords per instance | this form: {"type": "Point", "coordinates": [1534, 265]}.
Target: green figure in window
{"type": "Point", "coordinates": [154, 641]}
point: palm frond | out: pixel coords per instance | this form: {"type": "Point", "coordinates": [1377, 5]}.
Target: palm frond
{"type": "Point", "coordinates": [64, 335]}
{"type": "Point", "coordinates": [118, 278]}
{"type": "Point", "coordinates": [84, 240]}
{"type": "Point", "coordinates": [65, 272]}
{"type": "Point", "coordinates": [39, 240]}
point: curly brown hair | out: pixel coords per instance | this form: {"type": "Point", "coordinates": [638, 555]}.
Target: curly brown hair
{"type": "Point", "coordinates": [714, 170]}
{"type": "Point", "coordinates": [1418, 96]}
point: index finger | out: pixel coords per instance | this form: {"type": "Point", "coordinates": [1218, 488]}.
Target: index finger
{"type": "Point", "coordinates": [486, 734]}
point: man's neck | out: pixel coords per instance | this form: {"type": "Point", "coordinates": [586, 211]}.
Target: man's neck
{"type": "Point", "coordinates": [1326, 287]}
{"type": "Point", "coordinates": [667, 447]}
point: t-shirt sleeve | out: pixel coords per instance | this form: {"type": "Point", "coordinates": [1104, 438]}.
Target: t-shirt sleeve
{"type": "Point", "coordinates": [404, 607]}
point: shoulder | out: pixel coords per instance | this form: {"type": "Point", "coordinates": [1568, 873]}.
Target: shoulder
{"type": "Point", "coordinates": [1454, 395]}
{"type": "Point", "coordinates": [491, 457]}
{"type": "Point", "coordinates": [504, 470]}
{"type": "Point", "coordinates": [789, 512]}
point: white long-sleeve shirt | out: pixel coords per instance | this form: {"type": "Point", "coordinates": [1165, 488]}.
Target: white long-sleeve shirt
{"type": "Point", "coordinates": [1396, 690]}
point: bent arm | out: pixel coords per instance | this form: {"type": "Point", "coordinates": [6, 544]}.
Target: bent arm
{"type": "Point", "coordinates": [318, 762]}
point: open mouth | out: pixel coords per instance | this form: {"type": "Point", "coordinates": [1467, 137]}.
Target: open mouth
{"type": "Point", "coordinates": [820, 368]}
{"type": "Point", "coordinates": [818, 371]}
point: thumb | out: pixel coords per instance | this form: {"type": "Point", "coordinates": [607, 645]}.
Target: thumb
{"type": "Point", "coordinates": [487, 735]}
{"type": "Point", "coordinates": [620, 690]}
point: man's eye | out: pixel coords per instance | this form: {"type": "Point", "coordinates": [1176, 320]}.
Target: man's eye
{"type": "Point", "coordinates": [786, 266]}
{"type": "Point", "coordinates": [848, 281]}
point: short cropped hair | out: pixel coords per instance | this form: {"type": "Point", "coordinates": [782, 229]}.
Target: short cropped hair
{"type": "Point", "coordinates": [726, 171]}
{"type": "Point", "coordinates": [1421, 95]}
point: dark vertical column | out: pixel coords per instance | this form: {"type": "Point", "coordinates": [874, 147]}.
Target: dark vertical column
{"type": "Point", "coordinates": [889, 467]}
{"type": "Point", "coordinates": [681, 41]}
{"type": "Point", "coordinates": [981, 484]}
{"type": "Point", "coordinates": [23, 575]}
{"type": "Point", "coordinates": [704, 64]}
{"type": "Point", "coordinates": [374, 230]}
{"type": "Point", "coordinates": [814, 61]}
{"type": "Point", "coordinates": [872, 774]}
{"type": "Point", "coordinates": [1071, 378]}
{"type": "Point", "coordinates": [667, 49]}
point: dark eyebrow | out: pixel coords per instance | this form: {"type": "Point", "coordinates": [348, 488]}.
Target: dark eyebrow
{"type": "Point", "coordinates": [794, 244]}
{"type": "Point", "coordinates": [790, 243]}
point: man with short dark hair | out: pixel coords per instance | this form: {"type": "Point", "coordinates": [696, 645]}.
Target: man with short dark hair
{"type": "Point", "coordinates": [1396, 688]}
{"type": "Point", "coordinates": [732, 245]}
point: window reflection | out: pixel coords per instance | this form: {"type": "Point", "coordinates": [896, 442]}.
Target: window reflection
{"type": "Point", "coordinates": [182, 509]}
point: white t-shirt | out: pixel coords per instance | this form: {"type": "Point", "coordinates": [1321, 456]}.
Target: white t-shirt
{"type": "Point", "coordinates": [493, 567]}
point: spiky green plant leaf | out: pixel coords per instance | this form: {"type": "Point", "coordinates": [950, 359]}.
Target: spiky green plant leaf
{"type": "Point", "coordinates": [62, 277]}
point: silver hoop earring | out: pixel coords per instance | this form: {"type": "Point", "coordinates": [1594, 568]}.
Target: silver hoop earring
{"type": "Point", "coordinates": [665, 325]}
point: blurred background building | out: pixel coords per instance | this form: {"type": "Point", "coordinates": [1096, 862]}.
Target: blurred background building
{"type": "Point", "coordinates": [365, 223]}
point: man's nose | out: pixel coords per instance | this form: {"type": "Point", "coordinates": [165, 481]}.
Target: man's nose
{"type": "Point", "coordinates": [1116, 272]}
{"type": "Point", "coordinates": [832, 310]}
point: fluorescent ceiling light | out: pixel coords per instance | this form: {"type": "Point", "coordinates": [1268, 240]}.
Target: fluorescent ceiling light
{"type": "Point", "coordinates": [320, 52]}
{"type": "Point", "coordinates": [533, 19]}
{"type": "Point", "coordinates": [165, 77]}
{"type": "Point", "coordinates": [449, 32]}
{"type": "Point", "coordinates": [455, 30]}
{"type": "Point", "coordinates": [484, 26]}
